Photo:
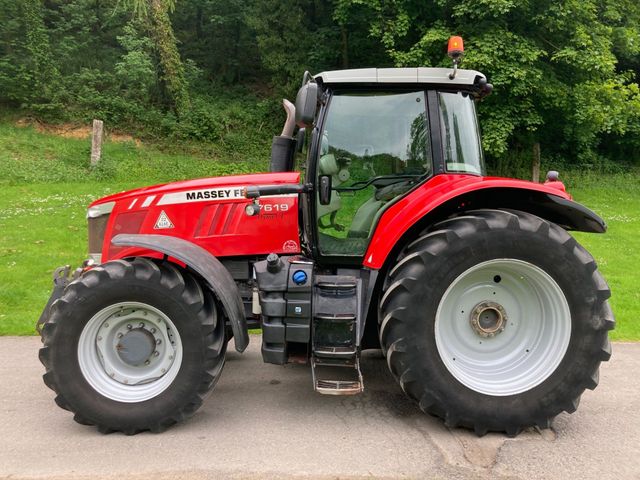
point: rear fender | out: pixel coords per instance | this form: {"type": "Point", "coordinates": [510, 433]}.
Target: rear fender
{"type": "Point", "coordinates": [408, 217]}
{"type": "Point", "coordinates": [207, 266]}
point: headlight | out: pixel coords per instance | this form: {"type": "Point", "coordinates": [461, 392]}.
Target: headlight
{"type": "Point", "coordinates": [97, 218]}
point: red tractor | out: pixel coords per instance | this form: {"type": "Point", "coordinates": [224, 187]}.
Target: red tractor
{"type": "Point", "coordinates": [491, 315]}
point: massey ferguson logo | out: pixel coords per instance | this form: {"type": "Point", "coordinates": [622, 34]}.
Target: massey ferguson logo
{"type": "Point", "coordinates": [201, 195]}
{"type": "Point", "coordinates": [290, 246]}
{"type": "Point", "coordinates": [163, 222]}
{"type": "Point", "coordinates": [213, 194]}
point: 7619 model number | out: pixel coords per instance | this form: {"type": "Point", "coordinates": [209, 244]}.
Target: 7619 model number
{"type": "Point", "coordinates": [275, 207]}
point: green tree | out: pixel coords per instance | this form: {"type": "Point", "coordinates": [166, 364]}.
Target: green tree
{"type": "Point", "coordinates": [135, 69]}
{"type": "Point", "coordinates": [156, 15]}
{"type": "Point", "coordinates": [293, 36]}
{"type": "Point", "coordinates": [216, 36]}
{"type": "Point", "coordinates": [284, 42]}
{"type": "Point", "coordinates": [553, 64]}
{"type": "Point", "coordinates": [27, 67]}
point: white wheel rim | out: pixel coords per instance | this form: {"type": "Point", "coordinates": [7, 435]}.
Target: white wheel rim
{"type": "Point", "coordinates": [110, 375]}
{"type": "Point", "coordinates": [536, 334]}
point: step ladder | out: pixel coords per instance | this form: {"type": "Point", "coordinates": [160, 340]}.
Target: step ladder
{"type": "Point", "coordinates": [335, 356]}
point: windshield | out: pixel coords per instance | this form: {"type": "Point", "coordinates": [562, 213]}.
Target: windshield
{"type": "Point", "coordinates": [388, 129]}
{"type": "Point", "coordinates": [460, 135]}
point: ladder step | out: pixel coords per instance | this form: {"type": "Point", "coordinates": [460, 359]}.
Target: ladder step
{"type": "Point", "coordinates": [338, 387]}
{"type": "Point", "coordinates": [342, 317]}
{"type": "Point", "coordinates": [335, 379]}
{"type": "Point", "coordinates": [335, 352]}
{"type": "Point", "coordinates": [336, 286]}
{"type": "Point", "coordinates": [338, 362]}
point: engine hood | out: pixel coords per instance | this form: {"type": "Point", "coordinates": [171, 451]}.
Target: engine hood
{"type": "Point", "coordinates": [202, 184]}
{"type": "Point", "coordinates": [209, 212]}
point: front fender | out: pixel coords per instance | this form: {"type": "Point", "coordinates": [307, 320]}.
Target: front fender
{"type": "Point", "coordinates": [207, 266]}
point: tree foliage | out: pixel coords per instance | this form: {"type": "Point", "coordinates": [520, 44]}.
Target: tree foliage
{"type": "Point", "coordinates": [564, 71]}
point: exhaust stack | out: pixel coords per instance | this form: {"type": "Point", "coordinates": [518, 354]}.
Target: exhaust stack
{"type": "Point", "coordinates": [283, 146]}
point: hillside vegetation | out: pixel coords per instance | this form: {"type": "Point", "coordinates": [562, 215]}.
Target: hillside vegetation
{"type": "Point", "coordinates": [214, 71]}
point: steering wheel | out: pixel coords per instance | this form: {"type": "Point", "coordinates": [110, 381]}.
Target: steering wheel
{"type": "Point", "coordinates": [380, 180]}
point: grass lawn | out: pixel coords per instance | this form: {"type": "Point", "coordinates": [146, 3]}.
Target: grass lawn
{"type": "Point", "coordinates": [45, 187]}
{"type": "Point", "coordinates": [617, 200]}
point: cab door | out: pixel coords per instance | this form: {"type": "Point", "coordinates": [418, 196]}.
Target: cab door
{"type": "Point", "coordinates": [375, 146]}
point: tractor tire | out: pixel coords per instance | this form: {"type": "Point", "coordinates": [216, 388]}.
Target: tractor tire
{"type": "Point", "coordinates": [133, 345]}
{"type": "Point", "coordinates": [495, 321]}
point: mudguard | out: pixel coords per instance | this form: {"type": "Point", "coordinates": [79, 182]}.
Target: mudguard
{"type": "Point", "coordinates": [208, 267]}
{"type": "Point", "coordinates": [446, 195]}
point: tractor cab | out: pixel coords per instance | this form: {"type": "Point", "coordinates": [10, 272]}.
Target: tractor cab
{"type": "Point", "coordinates": [374, 137]}
{"type": "Point", "coordinates": [375, 134]}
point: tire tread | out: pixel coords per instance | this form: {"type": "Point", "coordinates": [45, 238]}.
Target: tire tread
{"type": "Point", "coordinates": [393, 329]}
{"type": "Point", "coordinates": [190, 290]}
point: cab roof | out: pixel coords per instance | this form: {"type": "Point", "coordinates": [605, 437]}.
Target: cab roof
{"type": "Point", "coordinates": [423, 75]}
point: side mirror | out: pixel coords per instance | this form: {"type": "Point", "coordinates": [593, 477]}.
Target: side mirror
{"type": "Point", "coordinates": [324, 189]}
{"type": "Point", "coordinates": [306, 103]}
{"type": "Point", "coordinates": [300, 140]}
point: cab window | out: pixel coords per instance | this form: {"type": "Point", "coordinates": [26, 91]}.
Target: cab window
{"type": "Point", "coordinates": [375, 147]}
{"type": "Point", "coordinates": [460, 135]}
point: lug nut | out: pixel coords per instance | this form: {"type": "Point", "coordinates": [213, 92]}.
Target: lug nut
{"type": "Point", "coordinates": [158, 342]}
{"type": "Point", "coordinates": [120, 335]}
{"type": "Point", "coordinates": [147, 362]}
{"type": "Point", "coordinates": [153, 330]}
{"type": "Point", "coordinates": [156, 353]}
{"type": "Point", "coordinates": [129, 326]}
{"type": "Point", "coordinates": [141, 325]}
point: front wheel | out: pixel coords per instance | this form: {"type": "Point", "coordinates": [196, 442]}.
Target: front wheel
{"type": "Point", "coordinates": [495, 321]}
{"type": "Point", "coordinates": [133, 346]}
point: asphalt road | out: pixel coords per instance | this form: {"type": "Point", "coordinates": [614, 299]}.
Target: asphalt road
{"type": "Point", "coordinates": [265, 421]}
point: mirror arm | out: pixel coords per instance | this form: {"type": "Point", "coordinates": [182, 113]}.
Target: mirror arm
{"type": "Point", "coordinates": [256, 191]}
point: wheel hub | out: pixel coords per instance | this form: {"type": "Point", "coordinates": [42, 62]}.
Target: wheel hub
{"type": "Point", "coordinates": [136, 346]}
{"type": "Point", "coordinates": [130, 351]}
{"type": "Point", "coordinates": [488, 319]}
{"type": "Point", "coordinates": [490, 351]}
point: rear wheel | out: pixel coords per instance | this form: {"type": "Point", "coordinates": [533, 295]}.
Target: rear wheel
{"type": "Point", "coordinates": [495, 320]}
{"type": "Point", "coordinates": [133, 346]}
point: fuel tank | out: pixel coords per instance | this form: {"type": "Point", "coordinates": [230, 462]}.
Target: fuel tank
{"type": "Point", "coordinates": [209, 212]}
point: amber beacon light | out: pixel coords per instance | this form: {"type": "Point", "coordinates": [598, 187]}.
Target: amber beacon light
{"type": "Point", "coordinates": [455, 50]}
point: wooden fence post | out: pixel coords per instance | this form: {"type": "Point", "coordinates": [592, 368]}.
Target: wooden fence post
{"type": "Point", "coordinates": [96, 142]}
{"type": "Point", "coordinates": [535, 170]}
